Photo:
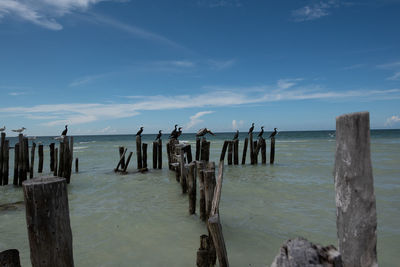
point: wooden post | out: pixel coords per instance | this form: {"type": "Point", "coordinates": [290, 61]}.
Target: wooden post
{"type": "Point", "coordinates": [10, 258]}
{"type": "Point", "coordinates": [230, 146]}
{"type": "Point", "coordinates": [47, 219]}
{"type": "Point", "coordinates": [55, 161]}
{"type": "Point", "coordinates": [251, 148]}
{"type": "Point", "coordinates": [3, 137]}
{"type": "Point", "coordinates": [169, 155]}
{"type": "Point", "coordinates": [61, 160]}
{"type": "Point", "coordinates": [236, 152]}
{"type": "Point", "coordinates": [192, 187]}
{"type": "Point", "coordinates": [205, 150]}
{"type": "Point", "coordinates": [182, 170]}
{"type": "Point", "coordinates": [209, 184]}
{"type": "Point", "coordinates": [127, 162]}
{"type": "Point", "coordinates": [76, 165]}
{"type": "Point", "coordinates": [144, 148]}
{"type": "Point", "coordinates": [139, 151]}
{"type": "Point", "coordinates": [246, 141]}
{"type": "Point", "coordinates": [121, 159]}
{"type": "Point", "coordinates": [40, 153]}
{"type": "Point", "coordinates": [159, 153]}
{"type": "Point", "coordinates": [217, 191]}
{"type": "Point", "coordinates": [223, 152]}
{"type": "Point", "coordinates": [354, 185]}
{"type": "Point", "coordinates": [203, 253]}
{"type": "Point", "coordinates": [198, 148]}
{"type": "Point", "coordinates": [155, 150]}
{"type": "Point", "coordinates": [32, 160]}
{"type": "Point", "coordinates": [51, 146]}
{"type": "Point", "coordinates": [67, 160]}
{"type": "Point", "coordinates": [16, 162]}
{"type": "Point", "coordinates": [26, 155]}
{"type": "Point", "coordinates": [188, 150]}
{"type": "Point", "coordinates": [255, 155]}
{"type": "Point", "coordinates": [263, 151]}
{"type": "Point", "coordinates": [121, 150]}
{"type": "Point", "coordinates": [70, 157]}
{"type": "Point", "coordinates": [21, 162]}
{"type": "Point", "coordinates": [258, 148]}
{"type": "Point", "coordinates": [215, 229]}
{"type": "Point", "coordinates": [202, 199]}
{"type": "Point", "coordinates": [6, 156]}
{"type": "Point", "coordinates": [272, 155]}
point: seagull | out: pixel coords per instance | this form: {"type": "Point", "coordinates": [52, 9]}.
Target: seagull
{"type": "Point", "coordinates": [19, 130]}
{"type": "Point", "coordinates": [251, 128]}
{"type": "Point", "coordinates": [140, 131]}
{"type": "Point", "coordinates": [2, 129]}
{"type": "Point", "coordinates": [236, 135]}
{"type": "Point", "coordinates": [64, 133]}
{"type": "Point", "coordinates": [158, 135]}
{"type": "Point", "coordinates": [174, 132]}
{"type": "Point", "coordinates": [262, 132]}
{"type": "Point", "coordinates": [273, 133]}
{"type": "Point", "coordinates": [203, 132]}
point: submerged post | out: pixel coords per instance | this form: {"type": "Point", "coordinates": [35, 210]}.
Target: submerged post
{"type": "Point", "coordinates": [230, 146]}
{"type": "Point", "coordinates": [139, 151]}
{"type": "Point", "coordinates": [244, 150]}
{"type": "Point", "coordinates": [203, 258]}
{"type": "Point", "coordinates": [121, 151]}
{"type": "Point", "coordinates": [47, 219]}
{"type": "Point", "coordinates": [251, 148]}
{"type": "Point", "coordinates": [144, 148]}
{"type": "Point", "coordinates": [155, 144]}
{"type": "Point", "coordinates": [159, 154]}
{"type": "Point", "coordinates": [236, 152]}
{"type": "Point", "coordinates": [272, 155]}
{"type": "Point", "coordinates": [354, 185]}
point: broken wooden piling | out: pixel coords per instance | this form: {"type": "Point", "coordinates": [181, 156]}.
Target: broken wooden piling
{"type": "Point", "coordinates": [10, 258]}
{"type": "Point", "coordinates": [6, 157]}
{"type": "Point", "coordinates": [76, 165]}
{"type": "Point", "coordinates": [263, 151]}
{"type": "Point", "coordinates": [139, 151]}
{"type": "Point", "coordinates": [202, 198]}
{"type": "Point", "coordinates": [40, 154]}
{"type": "Point", "coordinates": [32, 160]}
{"type": "Point", "coordinates": [272, 154]}
{"type": "Point", "coordinates": [159, 154]}
{"type": "Point", "coordinates": [127, 162]}
{"type": "Point", "coordinates": [192, 187]}
{"type": "Point", "coordinates": [223, 152]}
{"type": "Point", "coordinates": [55, 162]}
{"type": "Point", "coordinates": [121, 151]}
{"type": "Point", "coordinates": [230, 148]}
{"type": "Point", "coordinates": [155, 156]}
{"type": "Point", "coordinates": [16, 162]}
{"type": "Point", "coordinates": [197, 148]}
{"type": "Point", "coordinates": [51, 147]}
{"type": "Point", "coordinates": [246, 140]}
{"type": "Point", "coordinates": [121, 159]}
{"type": "Point", "coordinates": [144, 155]}
{"type": "Point", "coordinates": [205, 150]}
{"type": "Point", "coordinates": [251, 148]}
{"type": "Point", "coordinates": [203, 258]}
{"type": "Point", "coordinates": [236, 152]}
{"type": "Point", "coordinates": [3, 137]}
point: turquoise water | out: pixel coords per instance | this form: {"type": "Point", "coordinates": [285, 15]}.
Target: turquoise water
{"type": "Point", "coordinates": [142, 219]}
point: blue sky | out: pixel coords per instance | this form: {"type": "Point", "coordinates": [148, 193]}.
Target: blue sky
{"type": "Point", "coordinates": [109, 67]}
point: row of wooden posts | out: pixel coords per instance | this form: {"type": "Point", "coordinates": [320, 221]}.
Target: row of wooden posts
{"type": "Point", "coordinates": [60, 159]}
{"type": "Point", "coordinates": [188, 173]}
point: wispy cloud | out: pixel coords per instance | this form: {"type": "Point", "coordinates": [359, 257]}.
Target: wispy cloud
{"type": "Point", "coordinates": [221, 64]}
{"type": "Point", "coordinates": [393, 66]}
{"type": "Point", "coordinates": [89, 79]}
{"type": "Point", "coordinates": [353, 67]}
{"type": "Point", "coordinates": [16, 93]}
{"type": "Point", "coordinates": [395, 77]}
{"type": "Point", "coordinates": [219, 3]}
{"type": "Point", "coordinates": [314, 11]}
{"type": "Point", "coordinates": [392, 120]}
{"type": "Point", "coordinates": [195, 119]}
{"type": "Point", "coordinates": [287, 83]}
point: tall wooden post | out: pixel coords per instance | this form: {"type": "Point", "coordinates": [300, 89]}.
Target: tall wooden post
{"type": "Point", "coordinates": [3, 138]}
{"type": "Point", "coordinates": [22, 168]}
{"type": "Point", "coordinates": [155, 144]}
{"type": "Point", "coordinates": [209, 183]}
{"type": "Point", "coordinates": [32, 160]}
{"type": "Point", "coordinates": [67, 160]}
{"type": "Point", "coordinates": [16, 162]}
{"type": "Point", "coordinates": [182, 170]}
{"type": "Point", "coordinates": [263, 151]}
{"type": "Point", "coordinates": [255, 155]}
{"type": "Point", "coordinates": [144, 148]}
{"type": "Point", "coordinates": [121, 150]}
{"type": "Point", "coordinates": [202, 198]}
{"type": "Point", "coordinates": [354, 184]}
{"type": "Point", "coordinates": [230, 146]}
{"type": "Point", "coordinates": [198, 148]}
{"type": "Point", "coordinates": [159, 153]}
{"type": "Point", "coordinates": [223, 152]}
{"type": "Point", "coordinates": [40, 151]}
{"type": "Point", "coordinates": [236, 152]}
{"type": "Point", "coordinates": [251, 148]}
{"type": "Point", "coordinates": [188, 150]}
{"type": "Point", "coordinates": [51, 146]}
{"type": "Point", "coordinates": [6, 156]}
{"type": "Point", "coordinates": [246, 140]}
{"type": "Point", "coordinates": [26, 156]}
{"type": "Point", "coordinates": [47, 219]}
{"type": "Point", "coordinates": [55, 161]}
{"type": "Point", "coordinates": [169, 155]}
{"type": "Point", "coordinates": [272, 154]}
{"type": "Point", "coordinates": [192, 187]}
{"type": "Point", "coordinates": [139, 151]}
{"type": "Point", "coordinates": [61, 160]}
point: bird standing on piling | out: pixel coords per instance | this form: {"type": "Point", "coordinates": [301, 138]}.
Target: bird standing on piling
{"type": "Point", "coordinates": [203, 132]}
{"type": "Point", "coordinates": [19, 130]}
{"type": "Point", "coordinates": [174, 132]}
{"type": "Point", "coordinates": [140, 131]}
{"type": "Point", "coordinates": [251, 128]}
{"type": "Point", "coordinates": [273, 133]}
{"type": "Point", "coordinates": [236, 135]}
{"type": "Point", "coordinates": [2, 129]}
{"type": "Point", "coordinates": [260, 134]}
{"type": "Point", "coordinates": [158, 135]}
{"type": "Point", "coordinates": [64, 133]}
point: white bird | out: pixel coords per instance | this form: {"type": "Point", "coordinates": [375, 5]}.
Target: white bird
{"type": "Point", "coordinates": [2, 129]}
{"type": "Point", "coordinates": [19, 130]}
{"type": "Point", "coordinates": [59, 137]}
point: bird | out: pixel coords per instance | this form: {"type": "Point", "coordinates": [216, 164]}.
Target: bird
{"type": "Point", "coordinates": [2, 129]}
{"type": "Point", "coordinates": [64, 133]}
{"type": "Point", "coordinates": [273, 133]}
{"type": "Point", "coordinates": [19, 130]}
{"type": "Point", "coordinates": [174, 132]}
{"type": "Point", "coordinates": [262, 132]}
{"type": "Point", "coordinates": [158, 135]}
{"type": "Point", "coordinates": [251, 128]}
{"type": "Point", "coordinates": [203, 132]}
{"type": "Point", "coordinates": [140, 131]}
{"type": "Point", "coordinates": [236, 135]}
{"type": "Point", "coordinates": [179, 132]}
{"type": "Point", "coordinates": [58, 138]}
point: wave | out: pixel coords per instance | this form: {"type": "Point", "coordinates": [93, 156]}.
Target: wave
{"type": "Point", "coordinates": [87, 142]}
{"type": "Point", "coordinates": [80, 147]}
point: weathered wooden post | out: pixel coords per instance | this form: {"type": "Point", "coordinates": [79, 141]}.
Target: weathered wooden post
{"type": "Point", "coordinates": [192, 187]}
{"type": "Point", "coordinates": [61, 160]}
{"type": "Point", "coordinates": [209, 184]}
{"type": "Point", "coordinates": [205, 150]}
{"type": "Point", "coordinates": [182, 170]}
{"type": "Point", "coordinates": [139, 151]}
{"type": "Point", "coordinates": [355, 200]}
{"type": "Point", "coordinates": [202, 198]}
{"type": "Point", "coordinates": [255, 155]}
{"type": "Point", "coordinates": [22, 168]}
{"type": "Point", "coordinates": [230, 147]}
{"type": "Point", "coordinates": [236, 152]}
{"type": "Point", "coordinates": [40, 151]}
{"type": "Point", "coordinates": [55, 161]}
{"type": "Point", "coordinates": [121, 150]}
{"type": "Point", "coordinates": [272, 154]}
{"type": "Point", "coordinates": [3, 137]}
{"type": "Point", "coordinates": [67, 160]}
{"type": "Point", "coordinates": [198, 148]}
{"type": "Point", "coordinates": [188, 150]}
{"type": "Point", "coordinates": [127, 162]}
{"type": "Point", "coordinates": [48, 223]}
{"type": "Point", "coordinates": [246, 140]}
{"type": "Point", "coordinates": [121, 159]}
{"type": "Point", "coordinates": [159, 153]}
{"type": "Point", "coordinates": [16, 162]}
{"type": "Point", "coordinates": [263, 152]}
{"type": "Point", "coordinates": [32, 160]}
{"type": "Point", "coordinates": [203, 259]}
{"type": "Point", "coordinates": [76, 165]}
{"type": "Point", "coordinates": [26, 155]}
{"type": "Point", "coordinates": [144, 148]}
{"type": "Point", "coordinates": [251, 148]}
{"type": "Point", "coordinates": [223, 152]}
{"type": "Point", "coordinates": [51, 146]}
{"type": "Point", "coordinates": [169, 155]}
{"type": "Point", "coordinates": [10, 258]}
{"type": "Point", "coordinates": [155, 144]}
{"type": "Point", "coordinates": [6, 156]}
{"type": "Point", "coordinates": [215, 228]}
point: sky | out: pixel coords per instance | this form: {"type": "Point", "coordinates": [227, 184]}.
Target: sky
{"type": "Point", "coordinates": [109, 67]}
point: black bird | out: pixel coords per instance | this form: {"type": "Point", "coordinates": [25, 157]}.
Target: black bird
{"type": "Point", "coordinates": [65, 130]}
{"type": "Point", "coordinates": [251, 128]}
{"type": "Point", "coordinates": [203, 132]}
{"type": "Point", "coordinates": [174, 133]}
{"type": "Point", "coordinates": [273, 133]}
{"type": "Point", "coordinates": [262, 132]}
{"type": "Point", "coordinates": [140, 131]}
{"type": "Point", "coordinates": [158, 135]}
{"type": "Point", "coordinates": [236, 135]}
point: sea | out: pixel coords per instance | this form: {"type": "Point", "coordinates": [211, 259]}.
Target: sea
{"type": "Point", "coordinates": [142, 219]}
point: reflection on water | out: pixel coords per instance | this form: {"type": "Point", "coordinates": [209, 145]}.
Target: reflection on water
{"type": "Point", "coordinates": [127, 220]}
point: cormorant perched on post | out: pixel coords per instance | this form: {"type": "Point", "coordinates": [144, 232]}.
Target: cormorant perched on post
{"type": "Point", "coordinates": [203, 132]}
{"type": "Point", "coordinates": [262, 132]}
{"type": "Point", "coordinates": [174, 132]}
{"type": "Point", "coordinates": [140, 131]}
{"type": "Point", "coordinates": [236, 135]}
{"type": "Point", "coordinates": [273, 133]}
{"type": "Point", "coordinates": [158, 135]}
{"type": "Point", "coordinates": [251, 128]}
{"type": "Point", "coordinates": [19, 130]}
{"type": "Point", "coordinates": [65, 131]}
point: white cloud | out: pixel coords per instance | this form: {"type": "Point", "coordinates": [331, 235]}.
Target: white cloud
{"type": "Point", "coordinates": [315, 11]}
{"type": "Point", "coordinates": [236, 125]}
{"type": "Point", "coordinates": [353, 67]}
{"type": "Point", "coordinates": [16, 93]}
{"type": "Point", "coordinates": [195, 119]}
{"type": "Point", "coordinates": [392, 120]}
{"type": "Point", "coordinates": [395, 77]}
{"type": "Point", "coordinates": [287, 83]}
{"type": "Point", "coordinates": [394, 66]}
{"type": "Point", "coordinates": [221, 64]}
